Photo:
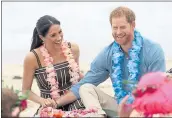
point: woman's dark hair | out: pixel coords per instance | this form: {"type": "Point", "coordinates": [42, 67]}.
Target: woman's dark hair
{"type": "Point", "coordinates": [42, 27]}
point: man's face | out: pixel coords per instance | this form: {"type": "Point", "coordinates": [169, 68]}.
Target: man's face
{"type": "Point", "coordinates": [122, 31]}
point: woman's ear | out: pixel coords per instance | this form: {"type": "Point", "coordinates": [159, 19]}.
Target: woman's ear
{"type": "Point", "coordinates": [42, 38]}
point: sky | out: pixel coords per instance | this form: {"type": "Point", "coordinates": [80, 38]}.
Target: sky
{"type": "Point", "coordinates": [85, 23]}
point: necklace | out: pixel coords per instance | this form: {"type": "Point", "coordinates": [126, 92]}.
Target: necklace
{"type": "Point", "coordinates": [51, 73]}
{"type": "Point", "coordinates": [133, 67]}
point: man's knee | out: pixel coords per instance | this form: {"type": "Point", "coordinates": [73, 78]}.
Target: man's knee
{"type": "Point", "coordinates": [86, 88]}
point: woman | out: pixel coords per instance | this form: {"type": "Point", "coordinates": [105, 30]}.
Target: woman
{"type": "Point", "coordinates": [53, 62]}
{"type": "Point", "coordinates": [153, 96]}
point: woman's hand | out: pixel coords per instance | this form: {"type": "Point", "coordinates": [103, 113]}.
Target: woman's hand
{"type": "Point", "coordinates": [48, 102]}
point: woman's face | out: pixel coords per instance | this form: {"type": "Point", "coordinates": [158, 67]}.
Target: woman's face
{"type": "Point", "coordinates": [54, 35]}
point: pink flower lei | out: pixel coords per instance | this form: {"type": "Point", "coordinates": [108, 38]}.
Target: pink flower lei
{"type": "Point", "coordinates": [51, 73]}
{"type": "Point", "coordinates": [56, 113]}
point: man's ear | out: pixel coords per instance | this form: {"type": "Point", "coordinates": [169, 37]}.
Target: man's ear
{"type": "Point", "coordinates": [41, 37]}
{"type": "Point", "coordinates": [133, 24]}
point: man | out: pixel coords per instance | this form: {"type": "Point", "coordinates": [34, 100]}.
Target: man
{"type": "Point", "coordinates": [128, 58]}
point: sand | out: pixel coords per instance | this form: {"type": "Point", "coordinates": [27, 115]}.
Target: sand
{"type": "Point", "coordinates": [8, 71]}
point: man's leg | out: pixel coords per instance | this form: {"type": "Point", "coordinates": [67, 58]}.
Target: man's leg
{"type": "Point", "coordinates": [94, 97]}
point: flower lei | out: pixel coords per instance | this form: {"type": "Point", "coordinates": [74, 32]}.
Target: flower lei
{"type": "Point", "coordinates": [51, 73]}
{"type": "Point", "coordinates": [73, 66]}
{"type": "Point", "coordinates": [148, 89]}
{"type": "Point", "coordinates": [133, 67]}
{"type": "Point", "coordinates": [55, 113]}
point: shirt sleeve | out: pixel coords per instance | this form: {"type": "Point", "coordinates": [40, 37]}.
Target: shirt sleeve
{"type": "Point", "coordinates": [157, 60]}
{"type": "Point", "coordinates": [96, 75]}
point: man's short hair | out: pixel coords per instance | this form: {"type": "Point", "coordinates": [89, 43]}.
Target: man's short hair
{"type": "Point", "coordinates": [123, 11]}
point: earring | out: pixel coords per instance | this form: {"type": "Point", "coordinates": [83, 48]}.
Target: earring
{"type": "Point", "coordinates": [43, 40]}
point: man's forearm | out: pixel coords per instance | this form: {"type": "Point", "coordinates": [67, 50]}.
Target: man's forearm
{"type": "Point", "coordinates": [66, 99]}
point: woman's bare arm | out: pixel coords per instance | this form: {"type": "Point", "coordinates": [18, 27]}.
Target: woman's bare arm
{"type": "Point", "coordinates": [30, 65]}
{"type": "Point", "coordinates": [76, 54]}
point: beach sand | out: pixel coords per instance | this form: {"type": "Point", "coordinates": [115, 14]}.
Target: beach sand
{"type": "Point", "coordinates": [9, 71]}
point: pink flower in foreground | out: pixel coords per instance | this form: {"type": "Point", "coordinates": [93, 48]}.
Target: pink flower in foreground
{"type": "Point", "coordinates": [23, 104]}
{"type": "Point", "coordinates": [156, 97]}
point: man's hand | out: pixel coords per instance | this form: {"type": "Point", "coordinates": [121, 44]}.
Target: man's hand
{"type": "Point", "coordinates": [124, 110]}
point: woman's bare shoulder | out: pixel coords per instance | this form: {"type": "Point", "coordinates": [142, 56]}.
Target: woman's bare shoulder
{"type": "Point", "coordinates": [74, 47]}
{"type": "Point", "coordinates": [30, 56]}
{"type": "Point", "coordinates": [30, 60]}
